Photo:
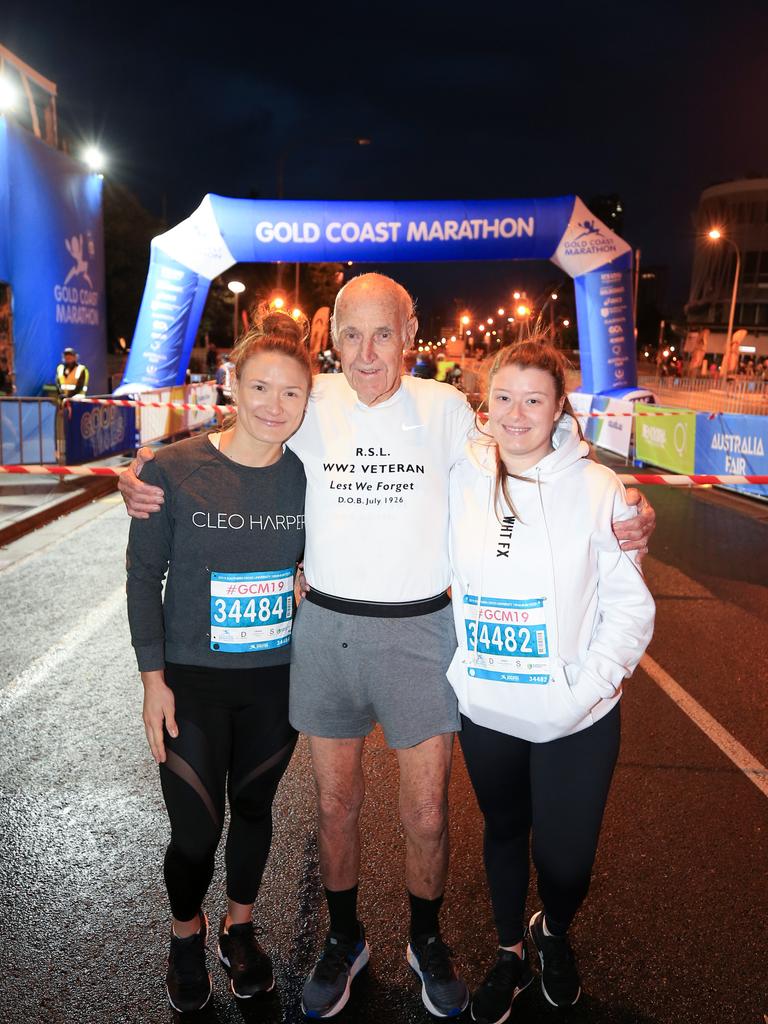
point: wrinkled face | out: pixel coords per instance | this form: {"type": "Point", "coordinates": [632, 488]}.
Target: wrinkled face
{"type": "Point", "coordinates": [522, 412]}
{"type": "Point", "coordinates": [372, 331]}
{"type": "Point", "coordinates": [271, 395]}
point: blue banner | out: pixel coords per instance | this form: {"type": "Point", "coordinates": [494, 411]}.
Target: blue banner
{"type": "Point", "coordinates": [52, 255]}
{"type": "Point", "coordinates": [604, 309]}
{"type": "Point", "coordinates": [733, 445]}
{"type": "Point", "coordinates": [96, 431]}
{"type": "Point", "coordinates": [222, 232]}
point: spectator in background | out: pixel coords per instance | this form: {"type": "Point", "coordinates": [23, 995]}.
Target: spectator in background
{"type": "Point", "coordinates": [71, 376]}
{"type": "Point", "coordinates": [211, 357]}
{"type": "Point", "coordinates": [6, 377]}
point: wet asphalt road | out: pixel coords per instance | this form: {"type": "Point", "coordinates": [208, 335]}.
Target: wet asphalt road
{"type": "Point", "coordinates": [674, 930]}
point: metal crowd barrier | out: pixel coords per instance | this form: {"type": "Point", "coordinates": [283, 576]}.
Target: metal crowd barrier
{"type": "Point", "coordinates": [29, 430]}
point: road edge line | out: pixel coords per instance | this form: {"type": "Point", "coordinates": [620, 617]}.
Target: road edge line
{"type": "Point", "coordinates": [746, 762]}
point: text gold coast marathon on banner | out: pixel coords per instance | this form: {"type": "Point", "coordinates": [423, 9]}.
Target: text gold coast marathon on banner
{"type": "Point", "coordinates": [222, 232]}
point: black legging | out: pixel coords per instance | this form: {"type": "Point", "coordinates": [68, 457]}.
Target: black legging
{"type": "Point", "coordinates": [555, 790]}
{"type": "Point", "coordinates": [235, 739]}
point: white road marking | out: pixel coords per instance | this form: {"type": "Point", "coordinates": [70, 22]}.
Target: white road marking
{"type": "Point", "coordinates": [730, 746]}
{"type": "Point", "coordinates": [49, 664]}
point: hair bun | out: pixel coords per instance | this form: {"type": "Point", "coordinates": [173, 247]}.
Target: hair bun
{"type": "Point", "coordinates": [269, 321]}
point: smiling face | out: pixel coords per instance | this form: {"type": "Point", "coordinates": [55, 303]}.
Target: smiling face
{"type": "Point", "coordinates": [373, 326]}
{"type": "Point", "coordinates": [271, 395]}
{"type": "Point", "coordinates": [522, 412]}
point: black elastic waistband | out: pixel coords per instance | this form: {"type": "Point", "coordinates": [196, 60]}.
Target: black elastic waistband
{"type": "Point", "coordinates": [380, 610]}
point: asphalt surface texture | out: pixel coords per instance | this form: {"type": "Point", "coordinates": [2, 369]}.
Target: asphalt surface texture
{"type": "Point", "coordinates": [673, 931]}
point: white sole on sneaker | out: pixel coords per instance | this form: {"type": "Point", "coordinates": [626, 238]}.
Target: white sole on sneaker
{"type": "Point", "coordinates": [413, 963]}
{"type": "Point", "coordinates": [550, 1000]}
{"type": "Point", "coordinates": [237, 995]}
{"type": "Point", "coordinates": [504, 1017]}
{"type": "Point", "coordinates": [360, 962]}
{"type": "Point", "coordinates": [197, 1008]}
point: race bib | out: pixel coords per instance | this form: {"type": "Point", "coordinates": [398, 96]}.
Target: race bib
{"type": "Point", "coordinates": [251, 611]}
{"type": "Point", "coordinates": [508, 639]}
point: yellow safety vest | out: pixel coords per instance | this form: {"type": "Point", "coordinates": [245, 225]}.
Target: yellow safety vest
{"type": "Point", "coordinates": [72, 380]}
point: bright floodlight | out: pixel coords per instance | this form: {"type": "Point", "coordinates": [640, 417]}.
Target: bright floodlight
{"type": "Point", "coordinates": [566, 323]}
{"type": "Point", "coordinates": [515, 295]}
{"type": "Point", "coordinates": [236, 287]}
{"type": "Point", "coordinates": [296, 313]}
{"type": "Point", "coordinates": [465, 320]}
{"type": "Point", "coordinates": [523, 310]}
{"type": "Point", "coordinates": [554, 296]}
{"type": "Point", "coordinates": [500, 311]}
{"type": "Point", "coordinates": [94, 158]}
{"type": "Point", "coordinates": [714, 234]}
{"type": "Point", "coordinates": [277, 302]}
{"type": "Point", "coordinates": [9, 94]}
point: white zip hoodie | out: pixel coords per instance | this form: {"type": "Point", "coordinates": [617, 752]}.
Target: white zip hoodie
{"type": "Point", "coordinates": [564, 614]}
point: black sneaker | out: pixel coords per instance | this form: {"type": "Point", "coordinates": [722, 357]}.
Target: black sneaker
{"type": "Point", "coordinates": [442, 990]}
{"type": "Point", "coordinates": [188, 981]}
{"type": "Point", "coordinates": [559, 977]}
{"type": "Point", "coordinates": [509, 976]}
{"type": "Point", "coordinates": [326, 990]}
{"type": "Point", "coordinates": [248, 966]}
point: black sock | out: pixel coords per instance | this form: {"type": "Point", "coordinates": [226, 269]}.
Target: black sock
{"type": "Point", "coordinates": [342, 908]}
{"type": "Point", "coordinates": [424, 915]}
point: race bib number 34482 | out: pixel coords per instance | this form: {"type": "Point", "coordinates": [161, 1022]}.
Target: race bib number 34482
{"type": "Point", "coordinates": [508, 639]}
{"type": "Point", "coordinates": [251, 611]}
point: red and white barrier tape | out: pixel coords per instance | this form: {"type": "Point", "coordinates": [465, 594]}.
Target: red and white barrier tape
{"type": "Point", "coordinates": [128, 403]}
{"type": "Point", "coordinates": [674, 479]}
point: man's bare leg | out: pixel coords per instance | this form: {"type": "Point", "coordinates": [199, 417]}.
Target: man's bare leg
{"type": "Point", "coordinates": [338, 771]}
{"type": "Point", "coordinates": [424, 773]}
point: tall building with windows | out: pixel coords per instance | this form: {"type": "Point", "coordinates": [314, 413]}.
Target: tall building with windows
{"type": "Point", "coordinates": [739, 210]}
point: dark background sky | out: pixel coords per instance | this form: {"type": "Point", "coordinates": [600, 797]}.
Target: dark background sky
{"type": "Point", "coordinates": [648, 100]}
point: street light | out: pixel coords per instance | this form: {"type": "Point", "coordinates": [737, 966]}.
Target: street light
{"type": "Point", "coordinates": [237, 288]}
{"type": "Point", "coordinates": [9, 94]}
{"type": "Point", "coordinates": [94, 157]}
{"type": "Point", "coordinates": [716, 235]}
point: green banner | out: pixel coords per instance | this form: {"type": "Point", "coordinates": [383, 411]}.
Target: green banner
{"type": "Point", "coordinates": [666, 441]}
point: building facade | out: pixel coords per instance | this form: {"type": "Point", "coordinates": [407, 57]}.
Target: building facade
{"type": "Point", "coordinates": [739, 210]}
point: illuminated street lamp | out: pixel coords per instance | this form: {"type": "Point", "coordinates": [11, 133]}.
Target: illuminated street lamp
{"type": "Point", "coordinates": [9, 94]}
{"type": "Point", "coordinates": [237, 288]}
{"type": "Point", "coordinates": [500, 311]}
{"type": "Point", "coordinates": [277, 302]}
{"type": "Point", "coordinates": [716, 236]}
{"type": "Point", "coordinates": [515, 296]}
{"type": "Point", "coordinates": [94, 157]}
{"type": "Point", "coordinates": [523, 310]}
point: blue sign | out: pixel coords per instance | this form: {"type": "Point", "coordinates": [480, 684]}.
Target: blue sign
{"type": "Point", "coordinates": [52, 255]}
{"type": "Point", "coordinates": [731, 444]}
{"type": "Point", "coordinates": [96, 431]}
{"type": "Point", "coordinates": [222, 232]}
{"type": "Point", "coordinates": [604, 309]}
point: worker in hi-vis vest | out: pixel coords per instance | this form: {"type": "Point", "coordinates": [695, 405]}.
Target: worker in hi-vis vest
{"type": "Point", "coordinates": [71, 376]}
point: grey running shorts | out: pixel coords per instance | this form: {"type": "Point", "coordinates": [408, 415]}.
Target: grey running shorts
{"type": "Point", "coordinates": [350, 671]}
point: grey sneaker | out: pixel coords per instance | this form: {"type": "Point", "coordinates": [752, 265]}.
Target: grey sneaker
{"type": "Point", "coordinates": [442, 990]}
{"type": "Point", "coordinates": [326, 990]}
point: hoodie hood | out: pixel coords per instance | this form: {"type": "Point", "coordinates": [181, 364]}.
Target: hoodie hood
{"type": "Point", "coordinates": [569, 448]}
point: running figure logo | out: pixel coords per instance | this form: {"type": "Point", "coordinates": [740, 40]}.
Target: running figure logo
{"type": "Point", "coordinates": [74, 247]}
{"type": "Point", "coordinates": [588, 229]}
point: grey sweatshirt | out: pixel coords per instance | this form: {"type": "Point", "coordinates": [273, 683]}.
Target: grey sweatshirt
{"type": "Point", "coordinates": [229, 537]}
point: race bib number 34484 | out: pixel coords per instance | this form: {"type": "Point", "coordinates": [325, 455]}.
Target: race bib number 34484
{"type": "Point", "coordinates": [251, 611]}
{"type": "Point", "coordinates": [508, 638]}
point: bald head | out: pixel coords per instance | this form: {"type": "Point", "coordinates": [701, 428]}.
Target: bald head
{"type": "Point", "coordinates": [373, 323]}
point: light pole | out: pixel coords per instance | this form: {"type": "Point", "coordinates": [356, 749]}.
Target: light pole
{"type": "Point", "coordinates": [237, 288]}
{"type": "Point", "coordinates": [716, 236]}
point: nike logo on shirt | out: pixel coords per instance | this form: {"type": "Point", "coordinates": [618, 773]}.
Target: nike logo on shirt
{"type": "Point", "coordinates": [412, 426]}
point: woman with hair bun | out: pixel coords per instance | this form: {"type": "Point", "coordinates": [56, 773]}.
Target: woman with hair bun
{"type": "Point", "coordinates": [551, 615]}
{"type": "Point", "coordinates": [214, 651]}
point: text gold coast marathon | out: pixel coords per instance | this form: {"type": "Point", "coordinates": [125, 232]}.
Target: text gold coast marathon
{"type": "Point", "coordinates": [335, 232]}
{"type": "Point", "coordinates": [371, 492]}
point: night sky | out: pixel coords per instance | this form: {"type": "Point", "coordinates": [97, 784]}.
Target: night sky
{"type": "Point", "coordinates": [651, 101]}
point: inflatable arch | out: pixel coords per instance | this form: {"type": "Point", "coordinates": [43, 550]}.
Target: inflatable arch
{"type": "Point", "coordinates": [222, 232]}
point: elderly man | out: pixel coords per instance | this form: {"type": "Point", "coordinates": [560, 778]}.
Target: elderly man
{"type": "Point", "coordinates": [374, 638]}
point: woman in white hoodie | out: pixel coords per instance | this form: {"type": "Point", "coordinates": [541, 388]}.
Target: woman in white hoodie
{"type": "Point", "coordinates": [551, 615]}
